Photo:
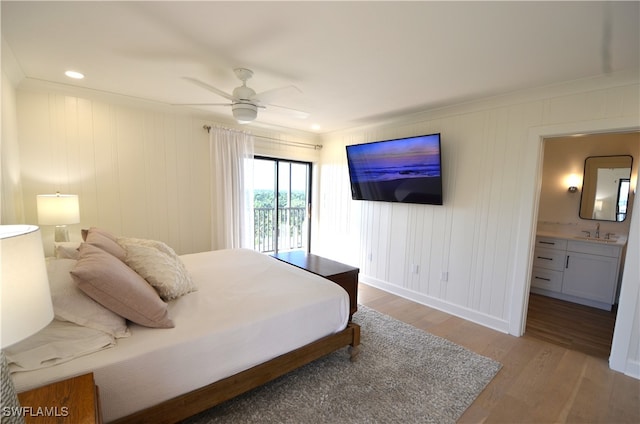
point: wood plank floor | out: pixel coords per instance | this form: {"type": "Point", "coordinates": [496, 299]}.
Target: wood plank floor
{"type": "Point", "coordinates": [573, 326]}
{"type": "Point", "coordinates": [540, 382]}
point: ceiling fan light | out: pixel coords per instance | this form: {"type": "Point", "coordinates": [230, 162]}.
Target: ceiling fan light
{"type": "Point", "coordinates": [244, 112]}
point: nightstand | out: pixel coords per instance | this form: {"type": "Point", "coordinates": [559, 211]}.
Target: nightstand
{"type": "Point", "coordinates": [73, 401]}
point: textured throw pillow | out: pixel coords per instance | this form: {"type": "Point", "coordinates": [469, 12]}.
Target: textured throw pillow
{"type": "Point", "coordinates": [105, 241]}
{"type": "Point", "coordinates": [156, 244]}
{"type": "Point", "coordinates": [71, 304]}
{"type": "Point", "coordinates": [159, 264]}
{"type": "Point", "coordinates": [114, 285]}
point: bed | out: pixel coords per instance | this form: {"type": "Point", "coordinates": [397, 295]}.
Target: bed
{"type": "Point", "coordinates": [244, 319]}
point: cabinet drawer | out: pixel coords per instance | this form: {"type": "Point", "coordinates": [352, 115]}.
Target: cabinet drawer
{"type": "Point", "coordinates": [549, 259]}
{"type": "Point", "coordinates": [546, 279]}
{"type": "Point", "coordinates": [551, 243]}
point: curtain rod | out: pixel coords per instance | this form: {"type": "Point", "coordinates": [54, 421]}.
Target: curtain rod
{"type": "Point", "coordinates": [279, 141]}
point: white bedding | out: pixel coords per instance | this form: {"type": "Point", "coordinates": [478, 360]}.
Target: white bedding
{"type": "Point", "coordinates": [57, 343]}
{"type": "Point", "coordinates": [248, 308]}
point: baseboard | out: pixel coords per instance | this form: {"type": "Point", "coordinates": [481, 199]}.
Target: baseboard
{"type": "Point", "coordinates": [439, 304]}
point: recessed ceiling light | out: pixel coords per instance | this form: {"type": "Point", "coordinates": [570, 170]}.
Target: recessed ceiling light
{"type": "Point", "coordinates": [74, 74]}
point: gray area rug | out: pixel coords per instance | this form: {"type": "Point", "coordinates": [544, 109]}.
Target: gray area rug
{"type": "Point", "coordinates": [403, 375]}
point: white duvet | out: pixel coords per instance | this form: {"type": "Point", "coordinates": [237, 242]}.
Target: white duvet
{"type": "Point", "coordinates": [248, 308]}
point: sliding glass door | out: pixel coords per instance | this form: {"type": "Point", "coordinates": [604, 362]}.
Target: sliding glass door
{"type": "Point", "coordinates": [282, 201]}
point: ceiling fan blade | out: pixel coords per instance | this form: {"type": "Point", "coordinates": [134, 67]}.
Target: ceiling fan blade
{"type": "Point", "coordinates": [269, 95]}
{"type": "Point", "coordinates": [202, 104]}
{"type": "Point", "coordinates": [210, 88]}
{"type": "Point", "coordinates": [292, 112]}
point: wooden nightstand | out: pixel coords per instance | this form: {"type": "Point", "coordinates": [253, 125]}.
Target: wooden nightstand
{"type": "Point", "coordinates": [73, 401]}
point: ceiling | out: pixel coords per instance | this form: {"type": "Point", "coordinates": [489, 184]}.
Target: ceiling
{"type": "Point", "coordinates": [354, 62]}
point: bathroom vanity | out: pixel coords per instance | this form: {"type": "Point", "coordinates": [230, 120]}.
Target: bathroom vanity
{"type": "Point", "coordinates": [577, 269]}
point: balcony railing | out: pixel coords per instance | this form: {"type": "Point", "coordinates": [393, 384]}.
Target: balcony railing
{"type": "Point", "coordinates": [290, 229]}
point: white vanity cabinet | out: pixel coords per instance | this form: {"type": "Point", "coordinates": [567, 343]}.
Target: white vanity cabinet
{"type": "Point", "coordinates": [577, 271]}
{"type": "Point", "coordinates": [591, 271]}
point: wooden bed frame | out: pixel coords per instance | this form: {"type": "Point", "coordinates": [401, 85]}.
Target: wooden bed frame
{"type": "Point", "coordinates": [196, 401]}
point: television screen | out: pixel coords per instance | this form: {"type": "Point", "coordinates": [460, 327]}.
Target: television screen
{"type": "Point", "coordinates": [406, 170]}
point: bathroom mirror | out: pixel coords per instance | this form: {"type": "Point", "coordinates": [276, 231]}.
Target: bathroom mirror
{"type": "Point", "coordinates": [606, 188]}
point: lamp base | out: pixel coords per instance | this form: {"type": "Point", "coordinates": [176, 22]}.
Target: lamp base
{"type": "Point", "coordinates": [9, 403]}
{"type": "Point", "coordinates": [62, 234]}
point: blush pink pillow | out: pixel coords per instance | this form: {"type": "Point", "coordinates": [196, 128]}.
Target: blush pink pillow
{"type": "Point", "coordinates": [105, 241]}
{"type": "Point", "coordinates": [114, 285]}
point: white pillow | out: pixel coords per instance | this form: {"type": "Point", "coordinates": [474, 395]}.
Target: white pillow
{"type": "Point", "coordinates": [71, 304]}
{"type": "Point", "coordinates": [66, 250]}
{"type": "Point", "coordinates": [159, 265]}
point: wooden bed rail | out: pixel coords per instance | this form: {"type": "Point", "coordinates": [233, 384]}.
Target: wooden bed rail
{"type": "Point", "coordinates": [196, 401]}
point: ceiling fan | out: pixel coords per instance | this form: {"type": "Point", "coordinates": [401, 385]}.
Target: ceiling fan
{"type": "Point", "coordinates": [245, 101]}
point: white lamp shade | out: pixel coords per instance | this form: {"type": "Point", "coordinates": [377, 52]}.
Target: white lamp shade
{"type": "Point", "coordinates": [58, 209]}
{"type": "Point", "coordinates": [26, 299]}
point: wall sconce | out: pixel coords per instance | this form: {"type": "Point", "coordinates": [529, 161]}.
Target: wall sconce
{"type": "Point", "coordinates": [59, 210]}
{"type": "Point", "coordinates": [572, 180]}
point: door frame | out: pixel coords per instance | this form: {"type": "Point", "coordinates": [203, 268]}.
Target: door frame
{"type": "Point", "coordinates": [277, 160]}
{"type": "Point", "coordinates": [527, 225]}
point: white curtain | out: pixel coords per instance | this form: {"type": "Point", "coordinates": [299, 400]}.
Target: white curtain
{"type": "Point", "coordinates": [231, 188]}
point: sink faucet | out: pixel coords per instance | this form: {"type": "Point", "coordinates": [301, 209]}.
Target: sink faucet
{"type": "Point", "coordinates": [598, 230]}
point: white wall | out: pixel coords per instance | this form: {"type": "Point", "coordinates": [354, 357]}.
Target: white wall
{"type": "Point", "coordinates": [140, 169]}
{"type": "Point", "coordinates": [483, 234]}
{"type": "Point", "coordinates": [137, 172]}
{"type": "Point", "coordinates": [11, 211]}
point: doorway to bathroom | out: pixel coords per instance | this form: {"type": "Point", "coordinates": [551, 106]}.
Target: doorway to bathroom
{"type": "Point", "coordinates": [559, 319]}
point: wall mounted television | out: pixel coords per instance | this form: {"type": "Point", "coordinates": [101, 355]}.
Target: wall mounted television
{"type": "Point", "coordinates": [405, 170]}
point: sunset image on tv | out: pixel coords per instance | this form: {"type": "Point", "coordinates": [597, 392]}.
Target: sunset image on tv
{"type": "Point", "coordinates": [401, 170]}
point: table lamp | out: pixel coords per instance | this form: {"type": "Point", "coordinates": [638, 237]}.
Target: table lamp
{"type": "Point", "coordinates": [26, 299]}
{"type": "Point", "coordinates": [59, 210]}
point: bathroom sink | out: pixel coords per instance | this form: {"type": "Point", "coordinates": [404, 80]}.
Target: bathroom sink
{"type": "Point", "coordinates": [598, 240]}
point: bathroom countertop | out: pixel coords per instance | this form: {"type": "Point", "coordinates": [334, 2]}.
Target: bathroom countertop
{"type": "Point", "coordinates": [614, 241]}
